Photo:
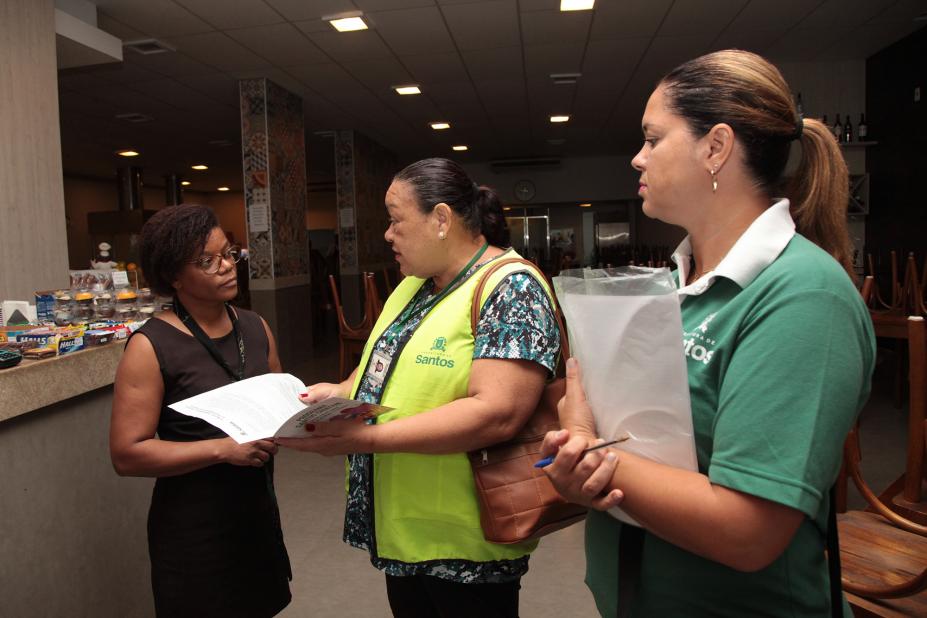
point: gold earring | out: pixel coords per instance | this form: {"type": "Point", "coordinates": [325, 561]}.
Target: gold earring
{"type": "Point", "coordinates": [714, 181]}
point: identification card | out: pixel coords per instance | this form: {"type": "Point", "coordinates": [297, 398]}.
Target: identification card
{"type": "Point", "coordinates": [377, 368]}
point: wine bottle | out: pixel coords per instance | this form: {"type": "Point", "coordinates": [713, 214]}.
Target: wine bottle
{"type": "Point", "coordinates": [862, 130]}
{"type": "Point", "coordinates": [837, 129]}
{"type": "Point", "coordinates": [848, 130]}
{"type": "Point", "coordinates": [799, 108]}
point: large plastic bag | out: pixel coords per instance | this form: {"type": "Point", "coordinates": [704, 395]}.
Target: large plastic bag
{"type": "Point", "coordinates": [625, 329]}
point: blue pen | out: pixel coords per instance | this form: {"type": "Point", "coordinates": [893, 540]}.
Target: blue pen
{"type": "Point", "coordinates": [549, 460]}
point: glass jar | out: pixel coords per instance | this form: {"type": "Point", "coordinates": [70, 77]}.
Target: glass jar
{"type": "Point", "coordinates": [83, 308]}
{"type": "Point", "coordinates": [63, 312]}
{"type": "Point", "coordinates": [103, 306]}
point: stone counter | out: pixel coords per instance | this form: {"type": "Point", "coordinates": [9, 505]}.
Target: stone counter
{"type": "Point", "coordinates": [35, 384]}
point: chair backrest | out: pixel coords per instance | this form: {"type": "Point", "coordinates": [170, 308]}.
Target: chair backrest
{"type": "Point", "coordinates": [374, 302]}
{"type": "Point", "coordinates": [363, 328]}
{"type": "Point", "coordinates": [917, 412]}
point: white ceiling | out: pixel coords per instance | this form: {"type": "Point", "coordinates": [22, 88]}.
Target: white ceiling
{"type": "Point", "coordinates": [483, 65]}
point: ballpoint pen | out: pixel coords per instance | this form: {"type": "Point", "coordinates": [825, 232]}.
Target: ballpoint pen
{"type": "Point", "coordinates": [550, 459]}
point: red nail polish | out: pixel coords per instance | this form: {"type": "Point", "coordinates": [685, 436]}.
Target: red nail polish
{"type": "Point", "coordinates": [310, 427]}
{"type": "Point", "coordinates": [306, 394]}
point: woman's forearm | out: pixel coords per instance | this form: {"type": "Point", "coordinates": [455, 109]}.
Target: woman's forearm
{"type": "Point", "coordinates": [684, 508]}
{"type": "Point", "coordinates": [156, 458]}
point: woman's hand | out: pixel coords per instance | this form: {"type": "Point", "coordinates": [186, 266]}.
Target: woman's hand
{"type": "Point", "coordinates": [573, 409]}
{"type": "Point", "coordinates": [336, 437]}
{"type": "Point", "coordinates": [578, 477]}
{"type": "Point", "coordinates": [255, 453]}
{"type": "Point", "coordinates": [323, 390]}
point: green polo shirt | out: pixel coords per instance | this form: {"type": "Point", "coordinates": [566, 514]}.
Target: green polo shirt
{"type": "Point", "coordinates": [780, 351]}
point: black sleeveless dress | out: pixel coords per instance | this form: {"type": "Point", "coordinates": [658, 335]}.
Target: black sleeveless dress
{"type": "Point", "coordinates": [214, 534]}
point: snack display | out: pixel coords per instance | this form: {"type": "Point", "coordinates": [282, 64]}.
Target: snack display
{"type": "Point", "coordinates": [98, 308]}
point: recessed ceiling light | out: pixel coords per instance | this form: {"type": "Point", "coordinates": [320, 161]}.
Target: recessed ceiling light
{"type": "Point", "coordinates": [222, 189]}
{"type": "Point", "coordinates": [185, 183]}
{"type": "Point", "coordinates": [562, 118]}
{"type": "Point", "coordinates": [346, 23]}
{"type": "Point", "coordinates": [585, 205]}
{"type": "Point", "coordinates": [408, 89]}
{"type": "Point", "coordinates": [565, 78]}
{"type": "Point", "coordinates": [506, 208]}
{"type": "Point", "coordinates": [200, 167]}
{"type": "Point", "coordinates": [439, 126]}
{"type": "Point", "coordinates": [460, 148]}
{"type": "Point", "coordinates": [576, 5]}
{"type": "Point", "coordinates": [126, 153]}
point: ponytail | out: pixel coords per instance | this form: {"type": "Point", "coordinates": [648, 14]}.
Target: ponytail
{"type": "Point", "coordinates": [818, 193]}
{"type": "Point", "coordinates": [492, 219]}
{"type": "Point", "coordinates": [748, 93]}
{"type": "Point", "coordinates": [437, 181]}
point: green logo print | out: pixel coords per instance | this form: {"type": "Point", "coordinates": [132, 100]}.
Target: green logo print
{"type": "Point", "coordinates": [440, 344]}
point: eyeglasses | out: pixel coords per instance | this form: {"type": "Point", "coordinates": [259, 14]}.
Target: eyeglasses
{"type": "Point", "coordinates": [210, 264]}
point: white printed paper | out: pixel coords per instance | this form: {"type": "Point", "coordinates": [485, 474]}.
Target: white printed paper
{"type": "Point", "coordinates": [268, 406]}
{"type": "Point", "coordinates": [258, 217]}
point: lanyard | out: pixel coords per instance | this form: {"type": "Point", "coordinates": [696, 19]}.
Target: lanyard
{"type": "Point", "coordinates": [412, 308]}
{"type": "Point", "coordinates": [209, 344]}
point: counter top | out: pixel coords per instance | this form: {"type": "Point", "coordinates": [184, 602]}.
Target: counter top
{"type": "Point", "coordinates": [38, 383]}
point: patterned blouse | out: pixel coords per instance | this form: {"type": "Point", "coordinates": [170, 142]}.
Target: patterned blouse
{"type": "Point", "coordinates": [517, 322]}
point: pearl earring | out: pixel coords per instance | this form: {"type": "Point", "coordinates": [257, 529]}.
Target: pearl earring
{"type": "Point", "coordinates": [714, 181]}
{"type": "Point", "coordinates": [441, 235]}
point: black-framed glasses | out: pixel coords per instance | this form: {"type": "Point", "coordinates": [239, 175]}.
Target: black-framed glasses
{"type": "Point", "coordinates": [210, 264]}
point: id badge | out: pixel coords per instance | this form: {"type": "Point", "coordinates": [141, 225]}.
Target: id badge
{"type": "Point", "coordinates": [377, 368]}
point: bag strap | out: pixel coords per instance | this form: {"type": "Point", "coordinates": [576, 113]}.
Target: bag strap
{"type": "Point", "coordinates": [476, 306]}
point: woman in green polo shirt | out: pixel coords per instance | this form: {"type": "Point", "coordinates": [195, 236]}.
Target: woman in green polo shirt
{"type": "Point", "coordinates": [779, 349]}
{"type": "Point", "coordinates": [411, 499]}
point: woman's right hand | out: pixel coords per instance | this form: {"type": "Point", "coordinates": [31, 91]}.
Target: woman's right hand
{"type": "Point", "coordinates": [254, 454]}
{"type": "Point", "coordinates": [321, 391]}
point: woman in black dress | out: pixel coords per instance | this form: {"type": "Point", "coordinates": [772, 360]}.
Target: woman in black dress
{"type": "Point", "coordinates": [214, 534]}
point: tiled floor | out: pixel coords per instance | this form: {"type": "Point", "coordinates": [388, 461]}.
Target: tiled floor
{"type": "Point", "coordinates": [333, 580]}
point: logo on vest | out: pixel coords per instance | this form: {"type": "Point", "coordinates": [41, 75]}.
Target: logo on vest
{"type": "Point", "coordinates": [436, 360]}
{"type": "Point", "coordinates": [697, 345]}
{"type": "Point", "coordinates": [440, 344]}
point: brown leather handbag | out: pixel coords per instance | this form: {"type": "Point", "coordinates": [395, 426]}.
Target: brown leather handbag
{"type": "Point", "coordinates": [517, 500]}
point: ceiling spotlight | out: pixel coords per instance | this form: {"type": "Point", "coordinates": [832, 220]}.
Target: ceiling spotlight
{"type": "Point", "coordinates": [126, 153]}
{"type": "Point", "coordinates": [585, 205]}
{"type": "Point", "coordinates": [222, 189]}
{"type": "Point", "coordinates": [562, 118]}
{"type": "Point", "coordinates": [576, 5]}
{"type": "Point", "coordinates": [460, 148]}
{"type": "Point", "coordinates": [347, 22]}
{"type": "Point", "coordinates": [440, 126]}
{"type": "Point", "coordinates": [408, 89]}
{"type": "Point", "coordinates": [200, 167]}
{"type": "Point", "coordinates": [185, 183]}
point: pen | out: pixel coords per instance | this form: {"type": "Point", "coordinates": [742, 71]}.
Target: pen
{"type": "Point", "coordinates": [549, 460]}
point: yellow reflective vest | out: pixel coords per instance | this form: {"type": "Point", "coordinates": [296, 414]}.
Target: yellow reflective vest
{"type": "Point", "coordinates": [425, 506]}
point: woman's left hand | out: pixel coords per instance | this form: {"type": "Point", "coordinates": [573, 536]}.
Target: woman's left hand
{"type": "Point", "coordinates": [581, 478]}
{"type": "Point", "coordinates": [338, 437]}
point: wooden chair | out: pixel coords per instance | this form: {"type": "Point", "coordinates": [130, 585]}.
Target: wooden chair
{"type": "Point", "coordinates": [351, 338]}
{"type": "Point", "coordinates": [884, 554]}
{"type": "Point", "coordinates": [391, 278]}
{"type": "Point", "coordinates": [374, 300]}
{"type": "Point", "coordinates": [907, 496]}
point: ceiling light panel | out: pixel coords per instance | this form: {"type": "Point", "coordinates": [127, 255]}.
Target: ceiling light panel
{"type": "Point", "coordinates": [407, 89]}
{"type": "Point", "coordinates": [576, 5]}
{"type": "Point", "coordinates": [440, 126]}
{"type": "Point", "coordinates": [348, 24]}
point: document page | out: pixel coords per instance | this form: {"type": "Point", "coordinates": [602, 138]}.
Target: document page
{"type": "Point", "coordinates": [268, 406]}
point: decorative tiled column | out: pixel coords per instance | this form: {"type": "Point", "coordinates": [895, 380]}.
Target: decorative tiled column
{"type": "Point", "coordinates": [274, 165]}
{"type": "Point", "coordinates": [363, 172]}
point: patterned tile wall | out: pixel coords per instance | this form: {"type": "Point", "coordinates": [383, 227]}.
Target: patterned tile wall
{"type": "Point", "coordinates": [274, 168]}
{"type": "Point", "coordinates": [363, 172]}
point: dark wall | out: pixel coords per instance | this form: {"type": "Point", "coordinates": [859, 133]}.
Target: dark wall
{"type": "Point", "coordinates": [898, 164]}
